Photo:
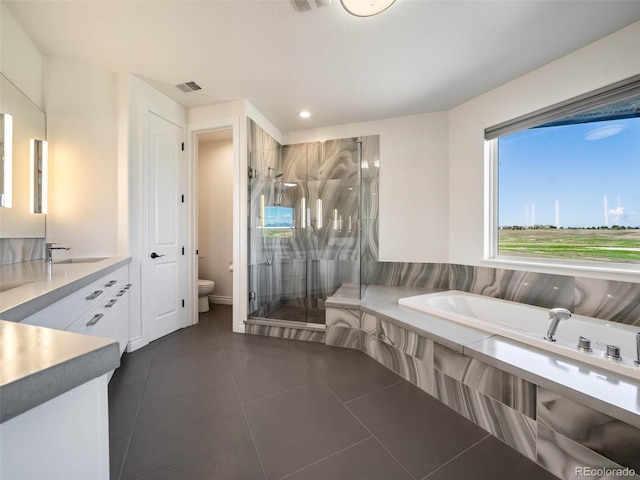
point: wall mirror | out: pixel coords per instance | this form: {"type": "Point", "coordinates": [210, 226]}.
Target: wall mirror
{"type": "Point", "coordinates": [29, 122]}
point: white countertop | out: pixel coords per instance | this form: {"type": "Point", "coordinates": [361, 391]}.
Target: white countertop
{"type": "Point", "coordinates": [41, 284]}
{"type": "Point", "coordinates": [37, 363]}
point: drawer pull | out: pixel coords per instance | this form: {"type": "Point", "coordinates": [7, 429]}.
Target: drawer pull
{"type": "Point", "coordinates": [111, 283]}
{"type": "Point", "coordinates": [94, 295]}
{"type": "Point", "coordinates": [111, 303]}
{"type": "Point", "coordinates": [96, 318]}
{"type": "Point", "coordinates": [128, 286]}
{"type": "Point", "coordinates": [120, 293]}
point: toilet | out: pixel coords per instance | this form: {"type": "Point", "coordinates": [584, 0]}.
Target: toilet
{"type": "Point", "coordinates": [205, 288]}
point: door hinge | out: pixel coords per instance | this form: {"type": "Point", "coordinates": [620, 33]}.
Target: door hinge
{"type": "Point", "coordinates": [183, 250]}
{"type": "Point", "coordinates": [182, 198]}
{"type": "Point", "coordinates": [197, 252]}
{"type": "Point", "coordinates": [253, 173]}
{"type": "Point", "coordinates": [183, 303]}
{"type": "Point", "coordinates": [183, 146]}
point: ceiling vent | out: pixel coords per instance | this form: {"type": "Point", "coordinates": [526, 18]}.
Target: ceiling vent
{"type": "Point", "coordinates": [189, 87]}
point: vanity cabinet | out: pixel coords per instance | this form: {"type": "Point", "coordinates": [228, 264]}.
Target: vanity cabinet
{"type": "Point", "coordinates": [100, 308]}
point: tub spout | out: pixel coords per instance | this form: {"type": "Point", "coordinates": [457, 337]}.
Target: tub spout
{"type": "Point", "coordinates": [555, 315]}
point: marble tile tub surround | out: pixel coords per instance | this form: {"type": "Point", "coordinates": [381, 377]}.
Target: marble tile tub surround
{"type": "Point", "coordinates": [605, 299]}
{"type": "Point", "coordinates": [16, 250]}
{"type": "Point", "coordinates": [611, 438]}
{"type": "Point", "coordinates": [488, 385]}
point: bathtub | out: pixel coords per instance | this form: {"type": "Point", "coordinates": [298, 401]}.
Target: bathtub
{"type": "Point", "coordinates": [528, 324]}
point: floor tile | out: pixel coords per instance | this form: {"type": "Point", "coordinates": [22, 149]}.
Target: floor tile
{"type": "Point", "coordinates": [203, 366]}
{"type": "Point", "coordinates": [420, 432]}
{"type": "Point", "coordinates": [191, 423]}
{"type": "Point", "coordinates": [169, 350]}
{"type": "Point", "coordinates": [123, 409]}
{"type": "Point", "coordinates": [175, 429]}
{"type": "Point", "coordinates": [353, 374]}
{"type": "Point", "coordinates": [187, 336]}
{"type": "Point", "coordinates": [365, 461]}
{"type": "Point", "coordinates": [491, 459]}
{"type": "Point", "coordinates": [309, 351]}
{"type": "Point", "coordinates": [296, 428]}
{"type": "Point", "coordinates": [117, 452]}
{"type": "Point", "coordinates": [134, 367]}
{"type": "Point", "coordinates": [221, 317]}
{"type": "Point", "coordinates": [252, 346]}
{"type": "Point", "coordinates": [237, 461]}
{"type": "Point", "coordinates": [264, 375]}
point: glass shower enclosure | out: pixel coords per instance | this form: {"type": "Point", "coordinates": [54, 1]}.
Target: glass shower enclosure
{"type": "Point", "coordinates": [304, 225]}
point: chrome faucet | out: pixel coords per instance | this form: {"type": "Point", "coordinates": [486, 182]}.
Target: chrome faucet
{"type": "Point", "coordinates": [555, 315]}
{"type": "Point", "coordinates": [49, 248]}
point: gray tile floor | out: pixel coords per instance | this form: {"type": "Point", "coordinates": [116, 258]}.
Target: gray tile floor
{"type": "Point", "coordinates": [205, 403]}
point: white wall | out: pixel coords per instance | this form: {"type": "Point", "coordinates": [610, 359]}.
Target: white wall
{"type": "Point", "coordinates": [82, 121]}
{"type": "Point", "coordinates": [606, 61]}
{"type": "Point", "coordinates": [20, 59]}
{"type": "Point", "coordinates": [414, 178]}
{"type": "Point", "coordinates": [215, 215]}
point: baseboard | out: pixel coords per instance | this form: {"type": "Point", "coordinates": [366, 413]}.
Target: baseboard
{"type": "Point", "coordinates": [135, 344]}
{"type": "Point", "coordinates": [221, 300]}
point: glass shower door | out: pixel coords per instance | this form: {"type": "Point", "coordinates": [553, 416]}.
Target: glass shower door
{"type": "Point", "coordinates": [304, 225]}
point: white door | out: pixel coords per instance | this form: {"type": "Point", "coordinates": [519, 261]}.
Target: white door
{"type": "Point", "coordinates": [166, 272]}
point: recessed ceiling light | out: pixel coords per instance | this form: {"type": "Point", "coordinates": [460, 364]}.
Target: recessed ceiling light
{"type": "Point", "coordinates": [304, 114]}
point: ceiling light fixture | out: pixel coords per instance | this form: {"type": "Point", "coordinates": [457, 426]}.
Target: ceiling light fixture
{"type": "Point", "coordinates": [366, 8]}
{"type": "Point", "coordinates": [304, 114]}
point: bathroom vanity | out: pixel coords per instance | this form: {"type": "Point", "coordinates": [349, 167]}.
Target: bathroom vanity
{"type": "Point", "coordinates": [63, 329]}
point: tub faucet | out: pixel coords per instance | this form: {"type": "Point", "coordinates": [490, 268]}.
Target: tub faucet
{"type": "Point", "coordinates": [555, 315]}
{"type": "Point", "coordinates": [49, 248]}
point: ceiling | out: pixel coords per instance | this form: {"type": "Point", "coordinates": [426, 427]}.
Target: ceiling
{"type": "Point", "coordinates": [416, 57]}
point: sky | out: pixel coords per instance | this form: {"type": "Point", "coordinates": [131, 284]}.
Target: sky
{"type": "Point", "coordinates": [580, 168]}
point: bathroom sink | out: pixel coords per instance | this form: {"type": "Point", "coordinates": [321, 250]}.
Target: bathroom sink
{"type": "Point", "coordinates": [11, 285]}
{"type": "Point", "coordinates": [81, 260]}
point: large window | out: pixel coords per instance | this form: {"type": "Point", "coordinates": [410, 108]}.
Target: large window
{"type": "Point", "coordinates": [567, 180]}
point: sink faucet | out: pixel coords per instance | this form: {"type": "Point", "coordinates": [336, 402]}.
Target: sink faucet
{"type": "Point", "coordinates": [555, 315]}
{"type": "Point", "coordinates": [49, 248]}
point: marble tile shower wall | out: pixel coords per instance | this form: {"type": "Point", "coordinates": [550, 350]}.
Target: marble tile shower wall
{"type": "Point", "coordinates": [264, 273]}
{"type": "Point", "coordinates": [324, 251]}
{"type": "Point", "coordinates": [16, 250]}
{"type": "Point", "coordinates": [609, 300]}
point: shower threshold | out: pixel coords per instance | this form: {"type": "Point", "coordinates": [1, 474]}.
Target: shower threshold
{"type": "Point", "coordinates": [298, 314]}
{"type": "Point", "coordinates": [276, 322]}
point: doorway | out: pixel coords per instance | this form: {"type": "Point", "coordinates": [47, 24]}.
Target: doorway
{"type": "Point", "coordinates": [214, 222]}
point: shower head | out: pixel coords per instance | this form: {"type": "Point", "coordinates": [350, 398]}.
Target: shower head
{"type": "Point", "coordinates": [277, 174]}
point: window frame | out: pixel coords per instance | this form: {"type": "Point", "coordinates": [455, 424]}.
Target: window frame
{"type": "Point", "coordinates": [598, 98]}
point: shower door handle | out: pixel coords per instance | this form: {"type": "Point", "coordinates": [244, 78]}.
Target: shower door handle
{"type": "Point", "coordinates": [155, 255]}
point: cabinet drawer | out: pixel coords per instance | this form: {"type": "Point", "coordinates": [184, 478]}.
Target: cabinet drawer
{"type": "Point", "coordinates": [109, 319]}
{"type": "Point", "coordinates": [63, 313]}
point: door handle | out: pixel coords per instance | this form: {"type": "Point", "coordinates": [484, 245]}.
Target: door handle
{"type": "Point", "coordinates": [155, 255]}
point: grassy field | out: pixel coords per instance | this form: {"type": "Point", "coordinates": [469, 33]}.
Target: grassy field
{"type": "Point", "coordinates": [579, 244]}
